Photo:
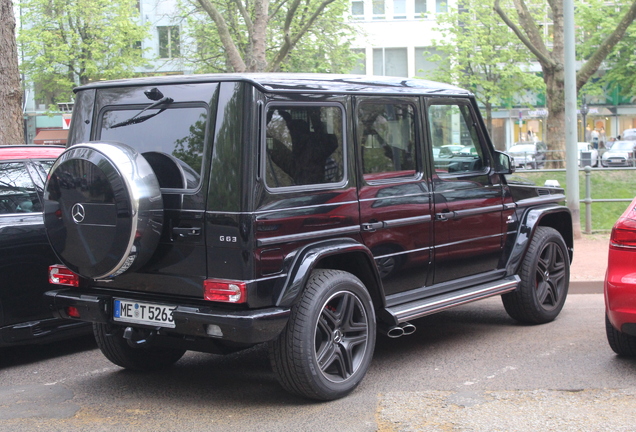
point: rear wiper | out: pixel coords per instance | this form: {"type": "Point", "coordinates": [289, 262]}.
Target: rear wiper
{"type": "Point", "coordinates": [136, 119]}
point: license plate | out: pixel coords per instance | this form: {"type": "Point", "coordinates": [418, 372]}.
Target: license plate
{"type": "Point", "coordinates": [616, 160]}
{"type": "Point", "coordinates": [143, 313]}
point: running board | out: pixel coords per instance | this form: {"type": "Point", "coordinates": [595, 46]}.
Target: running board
{"type": "Point", "coordinates": [431, 305]}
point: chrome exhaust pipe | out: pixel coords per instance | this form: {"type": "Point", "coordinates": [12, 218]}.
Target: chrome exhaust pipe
{"type": "Point", "coordinates": [395, 332]}
{"type": "Point", "coordinates": [408, 328]}
{"type": "Point", "coordinates": [398, 330]}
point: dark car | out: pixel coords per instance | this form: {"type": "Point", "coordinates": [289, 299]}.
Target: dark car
{"type": "Point", "coordinates": [216, 212]}
{"type": "Point", "coordinates": [25, 253]}
{"type": "Point", "coordinates": [620, 285]}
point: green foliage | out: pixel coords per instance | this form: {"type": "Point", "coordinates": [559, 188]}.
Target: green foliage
{"type": "Point", "coordinates": [325, 48]}
{"type": "Point", "coordinates": [71, 42]}
{"type": "Point", "coordinates": [481, 54]}
{"type": "Point", "coordinates": [596, 19]}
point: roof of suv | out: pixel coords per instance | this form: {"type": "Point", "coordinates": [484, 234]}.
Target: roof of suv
{"type": "Point", "coordinates": [19, 151]}
{"type": "Point", "coordinates": [309, 83]}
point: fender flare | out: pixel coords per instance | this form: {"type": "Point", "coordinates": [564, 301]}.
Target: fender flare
{"type": "Point", "coordinates": [304, 260]}
{"type": "Point", "coordinates": [531, 219]}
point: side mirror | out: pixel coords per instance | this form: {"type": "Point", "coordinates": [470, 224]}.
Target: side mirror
{"type": "Point", "coordinates": [504, 164]}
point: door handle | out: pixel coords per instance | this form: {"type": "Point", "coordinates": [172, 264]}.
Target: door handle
{"type": "Point", "coordinates": [372, 226]}
{"type": "Point", "coordinates": [186, 232]}
{"type": "Point", "coordinates": [444, 215]}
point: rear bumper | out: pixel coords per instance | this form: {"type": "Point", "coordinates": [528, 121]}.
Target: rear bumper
{"type": "Point", "coordinates": [620, 291]}
{"type": "Point", "coordinates": [247, 327]}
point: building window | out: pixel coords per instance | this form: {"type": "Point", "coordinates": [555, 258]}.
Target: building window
{"type": "Point", "coordinates": [390, 62]}
{"type": "Point", "coordinates": [169, 42]}
{"type": "Point", "coordinates": [422, 63]}
{"type": "Point", "coordinates": [441, 6]}
{"type": "Point", "coordinates": [420, 7]}
{"type": "Point", "coordinates": [399, 9]}
{"type": "Point", "coordinates": [361, 63]}
{"type": "Point", "coordinates": [357, 9]}
{"type": "Point", "coordinates": [378, 9]}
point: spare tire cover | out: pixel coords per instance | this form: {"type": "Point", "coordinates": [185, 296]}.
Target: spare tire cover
{"type": "Point", "coordinates": [103, 210]}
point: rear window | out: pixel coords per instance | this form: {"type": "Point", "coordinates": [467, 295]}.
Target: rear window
{"type": "Point", "coordinates": [304, 145]}
{"type": "Point", "coordinates": [166, 137]}
{"type": "Point", "coordinates": [17, 191]}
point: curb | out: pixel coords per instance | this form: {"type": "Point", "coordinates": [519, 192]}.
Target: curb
{"type": "Point", "coordinates": [586, 287]}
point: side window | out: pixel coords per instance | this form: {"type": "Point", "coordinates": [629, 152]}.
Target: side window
{"type": "Point", "coordinates": [386, 137]}
{"type": "Point", "coordinates": [17, 191]}
{"type": "Point", "coordinates": [304, 145]}
{"type": "Point", "coordinates": [454, 139]}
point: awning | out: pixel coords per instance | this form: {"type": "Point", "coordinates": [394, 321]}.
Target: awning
{"type": "Point", "coordinates": [51, 136]}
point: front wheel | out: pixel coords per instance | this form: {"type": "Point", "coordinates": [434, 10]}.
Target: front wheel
{"type": "Point", "coordinates": [327, 345]}
{"type": "Point", "coordinates": [110, 340]}
{"type": "Point", "coordinates": [545, 278]}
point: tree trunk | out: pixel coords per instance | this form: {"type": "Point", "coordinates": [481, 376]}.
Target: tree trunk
{"type": "Point", "coordinates": [555, 123]}
{"type": "Point", "coordinates": [11, 119]}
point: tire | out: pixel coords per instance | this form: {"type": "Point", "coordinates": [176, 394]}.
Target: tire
{"type": "Point", "coordinates": [621, 343]}
{"type": "Point", "coordinates": [110, 340]}
{"type": "Point", "coordinates": [103, 210]}
{"type": "Point", "coordinates": [326, 348]}
{"type": "Point", "coordinates": [545, 277]}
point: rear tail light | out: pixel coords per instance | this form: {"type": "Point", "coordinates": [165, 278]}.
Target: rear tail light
{"type": "Point", "coordinates": [224, 291]}
{"type": "Point", "coordinates": [624, 231]}
{"type": "Point", "coordinates": [61, 275]}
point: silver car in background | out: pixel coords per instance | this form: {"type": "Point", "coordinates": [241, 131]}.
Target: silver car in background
{"type": "Point", "coordinates": [620, 155]}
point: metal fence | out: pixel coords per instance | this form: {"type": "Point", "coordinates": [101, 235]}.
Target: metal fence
{"type": "Point", "coordinates": [531, 160]}
{"type": "Point", "coordinates": [588, 200]}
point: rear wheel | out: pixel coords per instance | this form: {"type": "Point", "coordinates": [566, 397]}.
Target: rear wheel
{"type": "Point", "coordinates": [110, 340]}
{"type": "Point", "coordinates": [327, 345]}
{"type": "Point", "coordinates": [545, 277]}
{"type": "Point", "coordinates": [621, 343]}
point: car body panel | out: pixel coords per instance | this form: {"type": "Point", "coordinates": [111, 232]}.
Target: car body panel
{"type": "Point", "coordinates": [620, 278]}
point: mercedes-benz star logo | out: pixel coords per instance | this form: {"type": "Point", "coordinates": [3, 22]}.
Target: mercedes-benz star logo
{"type": "Point", "coordinates": [78, 213]}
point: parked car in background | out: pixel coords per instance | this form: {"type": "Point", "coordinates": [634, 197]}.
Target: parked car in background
{"type": "Point", "coordinates": [25, 253]}
{"type": "Point", "coordinates": [620, 155]}
{"type": "Point", "coordinates": [620, 285]}
{"type": "Point", "coordinates": [528, 154]}
{"type": "Point", "coordinates": [629, 134]}
{"type": "Point", "coordinates": [587, 147]}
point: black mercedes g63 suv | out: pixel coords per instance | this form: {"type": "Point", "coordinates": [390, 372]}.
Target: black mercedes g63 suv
{"type": "Point", "coordinates": [215, 212]}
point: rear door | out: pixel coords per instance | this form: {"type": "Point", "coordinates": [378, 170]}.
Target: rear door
{"type": "Point", "coordinates": [395, 200]}
{"type": "Point", "coordinates": [468, 197]}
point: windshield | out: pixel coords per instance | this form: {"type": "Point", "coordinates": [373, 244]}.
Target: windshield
{"type": "Point", "coordinates": [623, 146]}
{"type": "Point", "coordinates": [178, 132]}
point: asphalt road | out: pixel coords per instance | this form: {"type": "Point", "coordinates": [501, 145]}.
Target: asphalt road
{"type": "Point", "coordinates": [467, 369]}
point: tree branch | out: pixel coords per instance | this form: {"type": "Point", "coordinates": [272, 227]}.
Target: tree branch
{"type": "Point", "coordinates": [539, 50]}
{"type": "Point", "coordinates": [291, 41]}
{"type": "Point", "coordinates": [594, 62]}
{"type": "Point", "coordinates": [245, 15]}
{"type": "Point", "coordinates": [234, 55]}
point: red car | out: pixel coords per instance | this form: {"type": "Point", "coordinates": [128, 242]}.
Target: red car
{"type": "Point", "coordinates": [620, 285]}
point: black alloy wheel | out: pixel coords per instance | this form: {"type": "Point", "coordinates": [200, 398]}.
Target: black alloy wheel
{"type": "Point", "coordinates": [342, 333]}
{"type": "Point", "coordinates": [545, 278]}
{"type": "Point", "coordinates": [326, 348]}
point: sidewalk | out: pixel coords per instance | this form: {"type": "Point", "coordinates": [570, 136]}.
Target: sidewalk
{"type": "Point", "coordinates": [587, 272]}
